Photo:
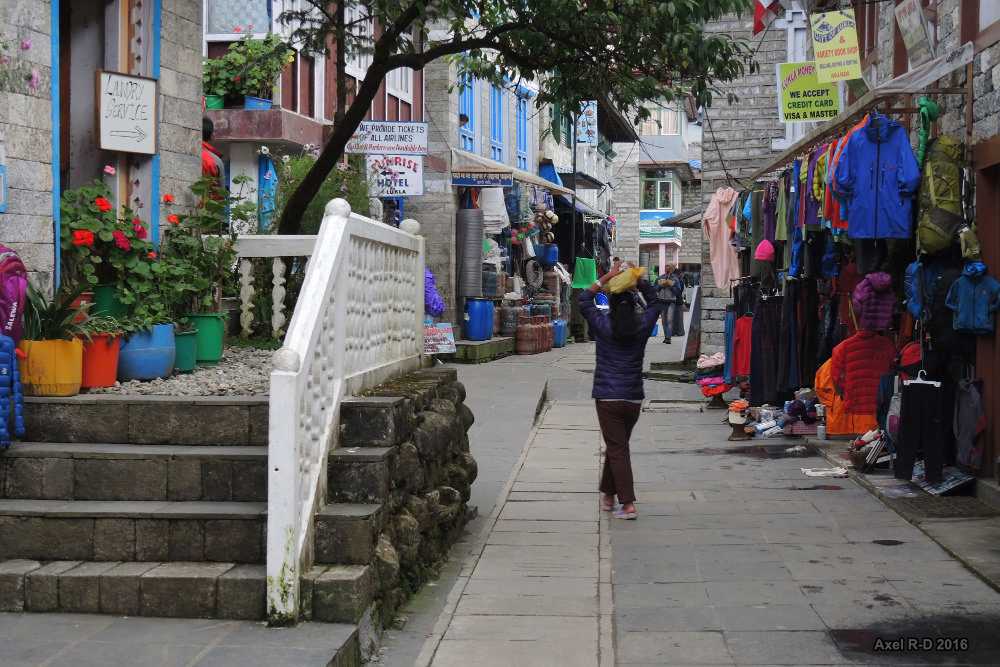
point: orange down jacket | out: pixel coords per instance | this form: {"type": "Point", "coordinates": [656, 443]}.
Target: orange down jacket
{"type": "Point", "coordinates": [838, 420]}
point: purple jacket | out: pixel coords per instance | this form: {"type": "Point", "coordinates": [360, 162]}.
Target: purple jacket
{"type": "Point", "coordinates": [873, 301]}
{"type": "Point", "coordinates": [618, 375]}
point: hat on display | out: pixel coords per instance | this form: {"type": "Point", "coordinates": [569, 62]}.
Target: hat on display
{"type": "Point", "coordinates": [764, 251]}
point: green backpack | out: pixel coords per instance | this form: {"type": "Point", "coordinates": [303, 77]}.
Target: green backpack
{"type": "Point", "coordinates": [940, 204]}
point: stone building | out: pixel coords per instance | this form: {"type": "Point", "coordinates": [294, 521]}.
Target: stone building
{"type": "Point", "coordinates": [48, 137]}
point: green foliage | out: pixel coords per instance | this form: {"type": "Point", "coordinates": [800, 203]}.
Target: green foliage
{"type": "Point", "coordinates": [349, 183]}
{"type": "Point", "coordinates": [250, 67]}
{"type": "Point", "coordinates": [55, 319]}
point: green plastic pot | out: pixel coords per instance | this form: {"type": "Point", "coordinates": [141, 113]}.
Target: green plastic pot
{"type": "Point", "coordinates": [215, 102]}
{"type": "Point", "coordinates": [211, 332]}
{"type": "Point", "coordinates": [107, 303]}
{"type": "Point", "coordinates": [187, 351]}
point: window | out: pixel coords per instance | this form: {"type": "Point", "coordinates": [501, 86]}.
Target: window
{"type": "Point", "coordinates": [399, 82]}
{"type": "Point", "coordinates": [521, 121]}
{"type": "Point", "coordinates": [496, 123]}
{"type": "Point", "coordinates": [362, 29]}
{"type": "Point", "coordinates": [658, 190]}
{"type": "Point", "coordinates": [467, 112]}
{"type": "Point", "coordinates": [231, 17]}
{"type": "Point", "coordinates": [980, 20]}
{"type": "Point", "coordinates": [661, 122]}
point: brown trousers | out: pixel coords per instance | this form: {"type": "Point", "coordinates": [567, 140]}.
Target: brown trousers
{"type": "Point", "coordinates": [617, 419]}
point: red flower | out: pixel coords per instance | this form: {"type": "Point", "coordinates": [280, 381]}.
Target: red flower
{"type": "Point", "coordinates": [102, 204]}
{"type": "Point", "coordinates": [151, 255]}
{"type": "Point", "coordinates": [236, 78]}
{"type": "Point", "coordinates": [121, 240]}
{"type": "Point", "coordinates": [83, 237]}
{"type": "Point", "coordinates": [140, 231]}
{"type": "Point", "coordinates": [168, 199]}
{"type": "Point", "coordinates": [173, 219]}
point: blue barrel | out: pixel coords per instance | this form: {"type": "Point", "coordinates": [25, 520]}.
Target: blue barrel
{"type": "Point", "coordinates": [548, 255]}
{"type": "Point", "coordinates": [149, 354]}
{"type": "Point", "coordinates": [478, 319]}
{"type": "Point", "coordinates": [559, 333]}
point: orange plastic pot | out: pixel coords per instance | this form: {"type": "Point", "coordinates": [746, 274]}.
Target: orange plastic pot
{"type": "Point", "coordinates": [51, 367]}
{"type": "Point", "coordinates": [100, 361]}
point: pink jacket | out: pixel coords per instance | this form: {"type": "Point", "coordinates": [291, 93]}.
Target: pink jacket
{"type": "Point", "coordinates": [873, 301]}
{"type": "Point", "coordinates": [725, 263]}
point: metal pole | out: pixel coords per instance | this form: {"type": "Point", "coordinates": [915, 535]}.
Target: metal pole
{"type": "Point", "coordinates": [573, 212]}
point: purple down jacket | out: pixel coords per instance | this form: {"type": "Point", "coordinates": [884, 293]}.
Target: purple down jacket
{"type": "Point", "coordinates": [873, 301]}
{"type": "Point", "coordinates": [618, 375]}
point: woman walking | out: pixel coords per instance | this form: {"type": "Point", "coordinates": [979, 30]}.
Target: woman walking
{"type": "Point", "coordinates": [670, 290]}
{"type": "Point", "coordinates": [621, 336]}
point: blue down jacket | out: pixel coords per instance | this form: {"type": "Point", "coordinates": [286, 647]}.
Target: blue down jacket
{"type": "Point", "coordinates": [878, 177]}
{"type": "Point", "coordinates": [618, 375]}
{"type": "Point", "coordinates": [974, 298]}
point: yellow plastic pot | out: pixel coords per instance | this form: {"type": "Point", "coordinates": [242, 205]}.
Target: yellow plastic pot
{"type": "Point", "coordinates": [51, 367]}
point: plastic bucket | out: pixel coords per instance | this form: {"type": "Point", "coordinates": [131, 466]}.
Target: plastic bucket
{"type": "Point", "coordinates": [100, 361]}
{"type": "Point", "coordinates": [215, 102]}
{"type": "Point", "coordinates": [186, 343]}
{"type": "Point", "coordinates": [478, 319]}
{"type": "Point", "coordinates": [106, 302]}
{"type": "Point", "coordinates": [211, 332]}
{"type": "Point", "coordinates": [251, 103]}
{"type": "Point", "coordinates": [51, 367]}
{"type": "Point", "coordinates": [149, 354]}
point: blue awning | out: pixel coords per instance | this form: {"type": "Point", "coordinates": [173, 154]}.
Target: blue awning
{"type": "Point", "coordinates": [549, 173]}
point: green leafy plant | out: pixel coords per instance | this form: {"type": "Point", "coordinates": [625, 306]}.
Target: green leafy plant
{"type": "Point", "coordinates": [55, 319]}
{"type": "Point", "coordinates": [349, 182]}
{"type": "Point", "coordinates": [250, 67]}
{"type": "Point", "coordinates": [217, 77]}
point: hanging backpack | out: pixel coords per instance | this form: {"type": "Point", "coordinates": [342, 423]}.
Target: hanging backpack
{"type": "Point", "coordinates": [940, 205]}
{"type": "Point", "coordinates": [13, 291]}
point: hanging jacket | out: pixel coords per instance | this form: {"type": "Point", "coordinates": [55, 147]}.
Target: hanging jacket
{"type": "Point", "coordinates": [974, 298]}
{"type": "Point", "coordinates": [873, 301]}
{"type": "Point", "coordinates": [879, 175]}
{"type": "Point", "coordinates": [838, 420]}
{"type": "Point", "coordinates": [796, 241]}
{"type": "Point", "coordinates": [725, 263]}
{"type": "Point", "coordinates": [969, 423]}
{"type": "Point", "coordinates": [858, 365]}
{"type": "Point", "coordinates": [618, 373]}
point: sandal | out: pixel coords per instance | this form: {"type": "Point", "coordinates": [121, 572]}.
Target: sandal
{"type": "Point", "coordinates": [630, 515]}
{"type": "Point", "coordinates": [607, 503]}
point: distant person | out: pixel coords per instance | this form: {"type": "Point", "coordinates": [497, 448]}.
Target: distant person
{"type": "Point", "coordinates": [670, 291]}
{"type": "Point", "coordinates": [211, 159]}
{"type": "Point", "coordinates": [621, 336]}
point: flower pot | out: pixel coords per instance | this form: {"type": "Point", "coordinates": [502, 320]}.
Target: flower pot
{"type": "Point", "coordinates": [149, 354]}
{"type": "Point", "coordinates": [51, 367]}
{"type": "Point", "coordinates": [215, 102]}
{"type": "Point", "coordinates": [211, 332]}
{"type": "Point", "coordinates": [106, 302]}
{"type": "Point", "coordinates": [187, 351]}
{"type": "Point", "coordinates": [82, 300]}
{"type": "Point", "coordinates": [251, 103]}
{"type": "Point", "coordinates": [100, 361]}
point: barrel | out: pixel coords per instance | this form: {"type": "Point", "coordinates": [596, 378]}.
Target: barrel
{"type": "Point", "coordinates": [508, 320]}
{"type": "Point", "coordinates": [478, 319]}
{"type": "Point", "coordinates": [548, 254]}
{"type": "Point", "coordinates": [559, 332]}
{"type": "Point", "coordinates": [469, 223]}
{"type": "Point", "coordinates": [148, 354]}
{"type": "Point", "coordinates": [525, 333]}
{"type": "Point", "coordinates": [497, 320]}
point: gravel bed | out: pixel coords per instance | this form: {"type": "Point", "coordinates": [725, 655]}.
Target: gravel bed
{"type": "Point", "coordinates": [243, 371]}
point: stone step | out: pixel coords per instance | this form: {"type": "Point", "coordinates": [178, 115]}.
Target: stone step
{"type": "Point", "coordinates": [347, 533]}
{"type": "Point", "coordinates": [144, 531]}
{"type": "Point", "coordinates": [148, 420]}
{"type": "Point", "coordinates": [330, 593]}
{"type": "Point", "coordinates": [81, 471]}
{"type": "Point", "coordinates": [360, 474]}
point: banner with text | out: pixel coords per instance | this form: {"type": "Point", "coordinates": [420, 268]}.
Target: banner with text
{"type": "Point", "coordinates": [835, 43]}
{"type": "Point", "coordinates": [914, 30]}
{"type": "Point", "coordinates": [396, 175]}
{"type": "Point", "coordinates": [382, 137]}
{"type": "Point", "coordinates": [802, 98]}
{"type": "Point", "coordinates": [586, 123]}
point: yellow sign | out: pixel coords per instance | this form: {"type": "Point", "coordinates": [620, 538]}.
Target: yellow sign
{"type": "Point", "coordinates": [803, 98]}
{"type": "Point", "coordinates": [835, 44]}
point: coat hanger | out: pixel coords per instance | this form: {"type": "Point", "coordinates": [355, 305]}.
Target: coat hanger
{"type": "Point", "coordinates": [922, 379]}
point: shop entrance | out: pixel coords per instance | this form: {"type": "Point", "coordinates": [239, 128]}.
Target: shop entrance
{"type": "Point", "coordinates": [988, 349]}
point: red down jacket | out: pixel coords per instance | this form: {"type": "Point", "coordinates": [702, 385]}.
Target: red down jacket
{"type": "Point", "coordinates": [857, 366]}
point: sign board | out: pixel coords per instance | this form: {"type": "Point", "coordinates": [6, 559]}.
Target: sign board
{"type": "Point", "coordinates": [396, 175]}
{"type": "Point", "coordinates": [482, 179]}
{"type": "Point", "coordinates": [383, 137]}
{"type": "Point", "coordinates": [913, 28]}
{"type": "Point", "coordinates": [802, 98]}
{"type": "Point", "coordinates": [3, 188]}
{"type": "Point", "coordinates": [835, 43]}
{"type": "Point", "coordinates": [439, 339]}
{"type": "Point", "coordinates": [126, 112]}
{"type": "Point", "coordinates": [586, 123]}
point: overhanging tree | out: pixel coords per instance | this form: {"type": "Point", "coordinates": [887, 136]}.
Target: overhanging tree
{"type": "Point", "coordinates": [629, 51]}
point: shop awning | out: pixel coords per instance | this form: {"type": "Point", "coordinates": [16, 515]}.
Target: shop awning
{"type": "Point", "coordinates": [583, 208]}
{"type": "Point", "coordinates": [581, 180]}
{"type": "Point", "coordinates": [466, 162]}
{"type": "Point", "coordinates": [548, 171]}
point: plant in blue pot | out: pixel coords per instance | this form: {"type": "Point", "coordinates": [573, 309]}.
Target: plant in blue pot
{"type": "Point", "coordinates": [256, 65]}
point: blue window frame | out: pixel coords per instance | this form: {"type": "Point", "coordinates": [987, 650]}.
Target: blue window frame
{"type": "Point", "coordinates": [496, 123]}
{"type": "Point", "coordinates": [522, 132]}
{"type": "Point", "coordinates": [467, 108]}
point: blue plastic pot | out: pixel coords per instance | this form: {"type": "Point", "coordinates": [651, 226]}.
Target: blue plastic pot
{"type": "Point", "coordinates": [149, 354]}
{"type": "Point", "coordinates": [251, 103]}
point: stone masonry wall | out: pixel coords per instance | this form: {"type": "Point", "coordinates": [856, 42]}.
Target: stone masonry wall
{"type": "Point", "coordinates": [26, 139]}
{"type": "Point", "coordinates": [626, 182]}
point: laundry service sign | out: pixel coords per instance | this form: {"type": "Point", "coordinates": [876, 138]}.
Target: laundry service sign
{"type": "Point", "coordinates": [126, 112]}
{"type": "Point", "coordinates": [396, 175]}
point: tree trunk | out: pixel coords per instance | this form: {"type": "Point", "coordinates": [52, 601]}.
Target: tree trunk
{"type": "Point", "coordinates": [291, 216]}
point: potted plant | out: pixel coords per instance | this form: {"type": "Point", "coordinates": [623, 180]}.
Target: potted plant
{"type": "Point", "coordinates": [51, 345]}
{"type": "Point", "coordinates": [102, 339]}
{"type": "Point", "coordinates": [216, 82]}
{"type": "Point", "coordinates": [255, 65]}
{"type": "Point", "coordinates": [149, 350]}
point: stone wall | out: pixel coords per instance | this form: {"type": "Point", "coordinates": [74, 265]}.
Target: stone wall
{"type": "Point", "coordinates": [626, 182]}
{"type": "Point", "coordinates": [26, 138]}
{"type": "Point", "coordinates": [690, 238]}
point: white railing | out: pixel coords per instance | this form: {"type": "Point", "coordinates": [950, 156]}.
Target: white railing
{"type": "Point", "coordinates": [276, 248]}
{"type": "Point", "coordinates": [358, 321]}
